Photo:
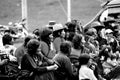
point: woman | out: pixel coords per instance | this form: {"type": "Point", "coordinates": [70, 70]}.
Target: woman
{"type": "Point", "coordinates": [65, 70]}
{"type": "Point", "coordinates": [45, 41]}
{"type": "Point", "coordinates": [34, 62]}
{"type": "Point", "coordinates": [77, 42]}
{"type": "Point", "coordinates": [8, 48]}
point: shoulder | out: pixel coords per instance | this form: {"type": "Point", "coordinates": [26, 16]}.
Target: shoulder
{"type": "Point", "coordinates": [61, 57]}
{"type": "Point", "coordinates": [86, 69]}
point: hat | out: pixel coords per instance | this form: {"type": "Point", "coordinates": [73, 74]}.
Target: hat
{"type": "Point", "coordinates": [52, 22]}
{"type": "Point", "coordinates": [108, 31]}
{"type": "Point", "coordinates": [57, 27]}
{"type": "Point", "coordinates": [91, 31]}
{"type": "Point", "coordinates": [97, 25]}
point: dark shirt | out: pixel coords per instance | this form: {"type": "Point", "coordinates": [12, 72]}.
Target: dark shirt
{"type": "Point", "coordinates": [65, 67]}
{"type": "Point", "coordinates": [28, 63]}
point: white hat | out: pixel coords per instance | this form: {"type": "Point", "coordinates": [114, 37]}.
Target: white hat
{"type": "Point", "coordinates": [108, 31]}
{"type": "Point", "coordinates": [57, 27]}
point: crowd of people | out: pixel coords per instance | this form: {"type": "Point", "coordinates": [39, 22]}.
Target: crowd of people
{"type": "Point", "coordinates": [64, 52]}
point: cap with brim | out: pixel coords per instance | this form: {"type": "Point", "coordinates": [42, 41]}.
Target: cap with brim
{"type": "Point", "coordinates": [108, 31]}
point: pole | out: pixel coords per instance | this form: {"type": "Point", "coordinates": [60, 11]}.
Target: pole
{"type": "Point", "coordinates": [69, 10]}
{"type": "Point", "coordinates": [24, 13]}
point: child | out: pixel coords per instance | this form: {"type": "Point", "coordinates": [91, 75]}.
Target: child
{"type": "Point", "coordinates": [85, 72]}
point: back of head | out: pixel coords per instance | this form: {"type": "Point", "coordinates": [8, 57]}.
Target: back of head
{"type": "Point", "coordinates": [77, 40]}
{"type": "Point", "coordinates": [7, 39]}
{"type": "Point", "coordinates": [27, 39]}
{"type": "Point", "coordinates": [65, 47]}
{"type": "Point", "coordinates": [32, 46]}
{"type": "Point", "coordinates": [84, 59]}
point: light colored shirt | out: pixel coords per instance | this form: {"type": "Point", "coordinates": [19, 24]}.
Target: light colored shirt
{"type": "Point", "coordinates": [86, 73]}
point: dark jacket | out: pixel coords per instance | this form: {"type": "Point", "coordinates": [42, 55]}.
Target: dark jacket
{"type": "Point", "coordinates": [37, 66]}
{"type": "Point", "coordinates": [65, 70]}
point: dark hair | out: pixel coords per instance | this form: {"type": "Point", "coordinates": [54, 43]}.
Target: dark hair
{"type": "Point", "coordinates": [113, 56]}
{"type": "Point", "coordinates": [65, 47]}
{"type": "Point", "coordinates": [7, 39]}
{"type": "Point", "coordinates": [32, 46]}
{"type": "Point", "coordinates": [70, 36]}
{"type": "Point", "coordinates": [45, 35]}
{"type": "Point", "coordinates": [71, 26]}
{"type": "Point", "coordinates": [57, 33]}
{"type": "Point", "coordinates": [84, 59]}
{"type": "Point", "coordinates": [36, 32]}
{"type": "Point", "coordinates": [77, 40]}
{"type": "Point", "coordinates": [26, 40]}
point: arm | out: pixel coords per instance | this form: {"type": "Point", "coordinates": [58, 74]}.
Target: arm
{"type": "Point", "coordinates": [29, 64]}
{"type": "Point", "coordinates": [69, 68]}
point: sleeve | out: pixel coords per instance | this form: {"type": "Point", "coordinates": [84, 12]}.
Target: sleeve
{"type": "Point", "coordinates": [92, 76]}
{"type": "Point", "coordinates": [44, 49]}
{"type": "Point", "coordinates": [18, 54]}
{"type": "Point", "coordinates": [45, 59]}
{"type": "Point", "coordinates": [68, 67]}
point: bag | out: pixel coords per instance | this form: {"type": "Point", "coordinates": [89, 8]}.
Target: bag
{"type": "Point", "coordinates": [11, 69]}
{"type": "Point", "coordinates": [25, 75]}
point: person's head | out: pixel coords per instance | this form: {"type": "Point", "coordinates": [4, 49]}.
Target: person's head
{"type": "Point", "coordinates": [37, 33]}
{"type": "Point", "coordinates": [32, 46]}
{"type": "Point", "coordinates": [109, 33]}
{"type": "Point", "coordinates": [69, 36]}
{"type": "Point", "coordinates": [77, 41]}
{"type": "Point", "coordinates": [45, 35]}
{"type": "Point", "coordinates": [105, 52]}
{"type": "Point", "coordinates": [84, 59]}
{"type": "Point", "coordinates": [7, 39]}
{"type": "Point", "coordinates": [65, 48]}
{"type": "Point", "coordinates": [92, 32]}
{"type": "Point", "coordinates": [27, 39]}
{"type": "Point", "coordinates": [7, 32]}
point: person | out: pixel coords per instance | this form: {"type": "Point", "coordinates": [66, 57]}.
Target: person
{"type": "Point", "coordinates": [34, 62]}
{"type": "Point", "coordinates": [20, 51]}
{"type": "Point", "coordinates": [59, 36]}
{"type": "Point", "coordinates": [65, 70]}
{"type": "Point", "coordinates": [85, 73]}
{"type": "Point", "coordinates": [8, 48]}
{"type": "Point", "coordinates": [77, 42]}
{"type": "Point", "coordinates": [8, 61]}
{"type": "Point", "coordinates": [45, 42]}
{"type": "Point", "coordinates": [92, 43]}
{"type": "Point", "coordinates": [111, 39]}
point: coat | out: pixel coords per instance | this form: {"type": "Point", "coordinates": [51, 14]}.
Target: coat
{"type": "Point", "coordinates": [37, 66]}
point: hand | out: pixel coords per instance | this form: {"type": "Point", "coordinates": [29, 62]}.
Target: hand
{"type": "Point", "coordinates": [53, 67]}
